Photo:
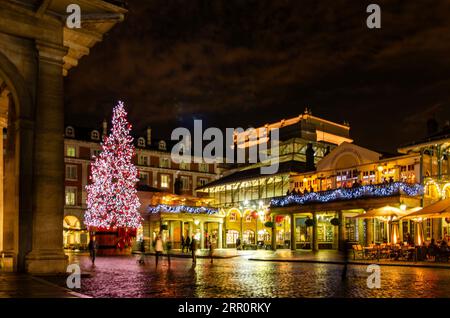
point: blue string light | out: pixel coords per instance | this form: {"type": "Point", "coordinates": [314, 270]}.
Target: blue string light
{"type": "Point", "coordinates": [365, 191]}
{"type": "Point", "coordinates": [181, 209]}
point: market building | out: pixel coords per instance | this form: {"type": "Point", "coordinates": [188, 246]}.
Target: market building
{"type": "Point", "coordinates": [318, 199]}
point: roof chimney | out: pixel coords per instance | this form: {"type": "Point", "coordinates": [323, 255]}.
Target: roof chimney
{"type": "Point", "coordinates": [149, 136]}
{"type": "Point", "coordinates": [105, 127]}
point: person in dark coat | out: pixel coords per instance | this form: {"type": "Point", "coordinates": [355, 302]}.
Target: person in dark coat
{"type": "Point", "coordinates": [93, 249]}
{"type": "Point", "coordinates": [193, 249]}
{"type": "Point", "coordinates": [182, 244]}
{"type": "Point", "coordinates": [188, 244]}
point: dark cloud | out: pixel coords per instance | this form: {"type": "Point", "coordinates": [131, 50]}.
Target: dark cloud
{"type": "Point", "coordinates": [239, 63]}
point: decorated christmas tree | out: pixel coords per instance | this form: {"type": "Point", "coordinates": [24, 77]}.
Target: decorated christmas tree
{"type": "Point", "coordinates": [112, 200]}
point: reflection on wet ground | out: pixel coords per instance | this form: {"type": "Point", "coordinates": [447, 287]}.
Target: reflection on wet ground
{"type": "Point", "coordinates": [122, 276]}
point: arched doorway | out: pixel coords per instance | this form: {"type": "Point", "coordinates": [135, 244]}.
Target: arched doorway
{"type": "Point", "coordinates": [75, 237]}
{"type": "Point", "coordinates": [16, 143]}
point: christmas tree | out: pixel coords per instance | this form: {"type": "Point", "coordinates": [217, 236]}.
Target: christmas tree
{"type": "Point", "coordinates": [112, 200]}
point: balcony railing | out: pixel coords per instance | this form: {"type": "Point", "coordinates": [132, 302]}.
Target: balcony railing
{"type": "Point", "coordinates": [341, 194]}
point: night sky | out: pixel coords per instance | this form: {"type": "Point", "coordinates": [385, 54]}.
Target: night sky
{"type": "Point", "coordinates": [236, 63]}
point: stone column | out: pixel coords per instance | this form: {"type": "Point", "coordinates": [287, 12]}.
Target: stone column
{"type": "Point", "coordinates": [182, 230]}
{"type": "Point", "coordinates": [293, 243]}
{"type": "Point", "coordinates": [274, 233]}
{"type": "Point", "coordinates": [341, 240]}
{"type": "Point", "coordinates": [315, 243]}
{"type": "Point", "coordinates": [220, 236]}
{"type": "Point", "coordinates": [2, 125]}
{"type": "Point", "coordinates": [202, 235]}
{"type": "Point", "coordinates": [47, 255]}
{"type": "Point", "coordinates": [171, 228]}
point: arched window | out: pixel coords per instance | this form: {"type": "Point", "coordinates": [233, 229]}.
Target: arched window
{"type": "Point", "coordinates": [95, 135]}
{"type": "Point", "coordinates": [141, 142]}
{"type": "Point", "coordinates": [70, 132]}
{"type": "Point", "coordinates": [162, 145]}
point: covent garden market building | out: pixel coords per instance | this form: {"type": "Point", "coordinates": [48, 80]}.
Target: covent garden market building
{"type": "Point", "coordinates": [327, 191]}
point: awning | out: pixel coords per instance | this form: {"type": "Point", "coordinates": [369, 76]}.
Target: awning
{"type": "Point", "coordinates": [386, 212]}
{"type": "Point", "coordinates": [439, 209]}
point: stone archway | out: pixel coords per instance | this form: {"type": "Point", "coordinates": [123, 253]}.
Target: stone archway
{"type": "Point", "coordinates": [16, 123]}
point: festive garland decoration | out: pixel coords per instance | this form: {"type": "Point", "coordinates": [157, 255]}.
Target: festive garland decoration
{"type": "Point", "coordinates": [334, 221]}
{"type": "Point", "coordinates": [181, 209]}
{"type": "Point", "coordinates": [269, 224]}
{"type": "Point", "coordinates": [365, 191]}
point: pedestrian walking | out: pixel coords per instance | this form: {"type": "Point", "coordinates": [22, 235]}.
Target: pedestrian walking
{"type": "Point", "coordinates": [142, 248]}
{"type": "Point", "coordinates": [182, 244]}
{"type": "Point", "coordinates": [193, 249]}
{"type": "Point", "coordinates": [158, 248]}
{"type": "Point", "coordinates": [188, 244]}
{"type": "Point", "coordinates": [168, 249]}
{"type": "Point", "coordinates": [211, 248]}
{"type": "Point", "coordinates": [92, 249]}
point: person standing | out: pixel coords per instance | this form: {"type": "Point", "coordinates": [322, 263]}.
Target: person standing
{"type": "Point", "coordinates": [168, 249]}
{"type": "Point", "coordinates": [142, 258]}
{"type": "Point", "coordinates": [182, 244]}
{"type": "Point", "coordinates": [193, 249]}
{"type": "Point", "coordinates": [158, 248]}
{"type": "Point", "coordinates": [211, 248]}
{"type": "Point", "coordinates": [188, 244]}
{"type": "Point", "coordinates": [92, 249]}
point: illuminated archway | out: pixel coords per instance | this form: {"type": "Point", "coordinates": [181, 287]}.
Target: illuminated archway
{"type": "Point", "coordinates": [432, 190]}
{"type": "Point", "coordinates": [75, 237]}
{"type": "Point", "coordinates": [446, 191]}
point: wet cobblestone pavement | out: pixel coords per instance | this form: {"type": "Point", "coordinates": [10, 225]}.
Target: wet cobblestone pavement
{"type": "Point", "coordinates": [122, 276]}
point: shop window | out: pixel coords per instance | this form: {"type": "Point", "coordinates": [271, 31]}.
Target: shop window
{"type": "Point", "coordinates": [232, 236]}
{"type": "Point", "coordinates": [248, 237]}
{"type": "Point", "coordinates": [165, 180]}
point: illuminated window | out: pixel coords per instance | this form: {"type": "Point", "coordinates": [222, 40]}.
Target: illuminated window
{"type": "Point", "coordinates": [248, 237]}
{"type": "Point", "coordinates": [203, 167]}
{"type": "Point", "coordinates": [71, 172]}
{"type": "Point", "coordinates": [143, 160]}
{"type": "Point", "coordinates": [184, 166]}
{"type": "Point", "coordinates": [202, 182]}
{"type": "Point", "coordinates": [71, 151]}
{"type": "Point", "coordinates": [71, 195]}
{"type": "Point", "coordinates": [164, 163]}
{"type": "Point", "coordinates": [232, 236]}
{"type": "Point", "coordinates": [165, 180]}
{"type": "Point", "coordinates": [184, 183]}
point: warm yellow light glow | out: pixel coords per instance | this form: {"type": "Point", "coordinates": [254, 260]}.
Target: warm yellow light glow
{"type": "Point", "coordinates": [380, 168]}
{"type": "Point", "coordinates": [403, 207]}
{"type": "Point", "coordinates": [196, 222]}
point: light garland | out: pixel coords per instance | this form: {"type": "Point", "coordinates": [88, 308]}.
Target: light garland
{"type": "Point", "coordinates": [112, 200]}
{"type": "Point", "coordinates": [365, 191]}
{"type": "Point", "coordinates": [181, 209]}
